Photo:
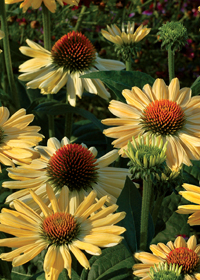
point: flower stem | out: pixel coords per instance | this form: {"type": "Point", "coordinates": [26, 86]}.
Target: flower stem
{"type": "Point", "coordinates": [80, 18]}
{"type": "Point", "coordinates": [68, 121]}
{"type": "Point", "coordinates": [128, 63]}
{"type": "Point", "coordinates": [146, 199]}
{"type": "Point", "coordinates": [47, 45]}
{"type": "Point", "coordinates": [7, 55]}
{"type": "Point", "coordinates": [171, 64]}
{"type": "Point", "coordinates": [156, 208]}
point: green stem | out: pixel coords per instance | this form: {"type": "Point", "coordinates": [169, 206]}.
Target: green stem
{"type": "Point", "coordinates": [156, 208]}
{"type": "Point", "coordinates": [22, 35]}
{"type": "Point", "coordinates": [128, 63]}
{"type": "Point", "coordinates": [171, 64]}
{"type": "Point", "coordinates": [7, 55]}
{"type": "Point", "coordinates": [47, 45]}
{"type": "Point", "coordinates": [3, 70]}
{"type": "Point", "coordinates": [146, 199]}
{"type": "Point", "coordinates": [68, 125]}
{"type": "Point", "coordinates": [68, 121]}
{"type": "Point", "coordinates": [46, 27]}
{"type": "Point", "coordinates": [80, 18]}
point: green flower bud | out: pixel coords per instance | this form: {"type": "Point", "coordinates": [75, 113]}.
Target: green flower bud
{"type": "Point", "coordinates": [165, 272]}
{"type": "Point", "coordinates": [169, 179]}
{"type": "Point", "coordinates": [173, 35]}
{"type": "Point", "coordinates": [147, 157]}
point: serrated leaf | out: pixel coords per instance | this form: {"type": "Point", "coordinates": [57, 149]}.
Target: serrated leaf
{"type": "Point", "coordinates": [120, 80]}
{"type": "Point", "coordinates": [130, 201]}
{"type": "Point", "coordinates": [114, 263]}
{"type": "Point", "coordinates": [175, 224]}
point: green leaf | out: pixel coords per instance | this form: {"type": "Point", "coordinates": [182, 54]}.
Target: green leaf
{"type": "Point", "coordinates": [41, 276]}
{"type": "Point", "coordinates": [20, 276]}
{"type": "Point", "coordinates": [120, 80]}
{"type": "Point", "coordinates": [196, 87]}
{"type": "Point", "coordinates": [53, 108]}
{"type": "Point", "coordinates": [130, 201]}
{"type": "Point", "coordinates": [193, 170]}
{"type": "Point", "coordinates": [114, 263]}
{"type": "Point", "coordinates": [175, 224]}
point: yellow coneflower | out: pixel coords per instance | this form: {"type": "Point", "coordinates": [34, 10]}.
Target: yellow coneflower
{"type": "Point", "coordinates": [125, 37]}
{"type": "Point", "coordinates": [17, 137]}
{"type": "Point", "coordinates": [60, 230]}
{"type": "Point", "coordinates": [72, 165]}
{"type": "Point", "coordinates": [71, 56]}
{"type": "Point", "coordinates": [181, 253]}
{"type": "Point", "coordinates": [170, 112]}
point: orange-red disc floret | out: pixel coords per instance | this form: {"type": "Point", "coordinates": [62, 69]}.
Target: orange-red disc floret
{"type": "Point", "coordinates": [74, 52]}
{"type": "Point", "coordinates": [73, 166]}
{"type": "Point", "coordinates": [59, 228]}
{"type": "Point", "coordinates": [185, 257]}
{"type": "Point", "coordinates": [164, 117]}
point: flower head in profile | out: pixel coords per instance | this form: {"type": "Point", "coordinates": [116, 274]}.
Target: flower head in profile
{"type": "Point", "coordinates": [17, 137]}
{"type": "Point", "coordinates": [71, 56]}
{"type": "Point", "coordinates": [170, 112]}
{"type": "Point", "coordinates": [181, 253]}
{"type": "Point", "coordinates": [2, 34]}
{"type": "Point", "coordinates": [125, 37]}
{"type": "Point", "coordinates": [126, 41]}
{"type": "Point", "coordinates": [60, 230]}
{"type": "Point", "coordinates": [72, 165]}
{"type": "Point", "coordinates": [192, 194]}
{"type": "Point", "coordinates": [35, 4]}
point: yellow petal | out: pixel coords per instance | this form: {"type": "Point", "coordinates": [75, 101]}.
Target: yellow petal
{"type": "Point", "coordinates": [66, 258]}
{"type": "Point", "coordinates": [79, 256]}
{"type": "Point", "coordinates": [85, 204]}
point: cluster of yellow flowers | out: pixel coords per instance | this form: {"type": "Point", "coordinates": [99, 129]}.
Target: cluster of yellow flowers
{"type": "Point", "coordinates": [67, 195]}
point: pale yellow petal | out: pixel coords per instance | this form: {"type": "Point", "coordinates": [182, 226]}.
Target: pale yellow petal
{"type": "Point", "coordinates": [79, 256]}
{"type": "Point", "coordinates": [180, 242]}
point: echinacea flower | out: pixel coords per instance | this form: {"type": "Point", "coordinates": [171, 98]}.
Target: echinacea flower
{"type": "Point", "coordinates": [60, 230]}
{"type": "Point", "coordinates": [71, 56]}
{"type": "Point", "coordinates": [72, 165]}
{"type": "Point", "coordinates": [2, 34]}
{"type": "Point", "coordinates": [192, 194]}
{"type": "Point", "coordinates": [128, 37]}
{"type": "Point", "coordinates": [16, 137]}
{"type": "Point", "coordinates": [35, 4]}
{"type": "Point", "coordinates": [170, 112]}
{"type": "Point", "coordinates": [181, 253]}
